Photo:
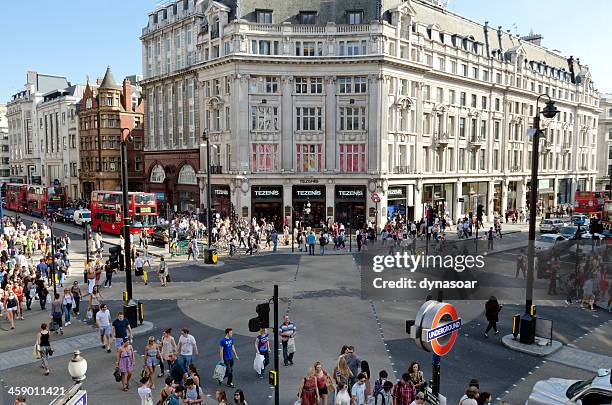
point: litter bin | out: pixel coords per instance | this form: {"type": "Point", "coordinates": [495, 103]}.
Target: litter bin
{"type": "Point", "coordinates": [130, 311]}
{"type": "Point", "coordinates": [210, 255]}
{"type": "Point", "coordinates": [527, 330]}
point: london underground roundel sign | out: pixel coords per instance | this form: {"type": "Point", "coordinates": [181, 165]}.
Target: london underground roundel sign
{"type": "Point", "coordinates": [437, 326]}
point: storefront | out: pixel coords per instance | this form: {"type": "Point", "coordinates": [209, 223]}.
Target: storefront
{"type": "Point", "coordinates": [497, 198]}
{"type": "Point", "coordinates": [582, 185]}
{"type": "Point", "coordinates": [546, 193]}
{"type": "Point", "coordinates": [440, 197]}
{"type": "Point", "coordinates": [512, 193]}
{"type": "Point", "coordinates": [350, 204]}
{"type": "Point", "coordinates": [187, 201]}
{"type": "Point", "coordinates": [564, 195]}
{"type": "Point", "coordinates": [267, 202]}
{"type": "Point", "coordinates": [397, 202]}
{"type": "Point", "coordinates": [475, 194]}
{"type": "Point", "coordinates": [309, 205]}
{"type": "Point", "coordinates": [220, 199]}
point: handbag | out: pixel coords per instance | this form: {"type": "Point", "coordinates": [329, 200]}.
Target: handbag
{"type": "Point", "coordinates": [219, 373]}
{"type": "Point", "coordinates": [117, 374]}
{"type": "Point", "coordinates": [49, 352]}
{"type": "Point", "coordinates": [291, 345]}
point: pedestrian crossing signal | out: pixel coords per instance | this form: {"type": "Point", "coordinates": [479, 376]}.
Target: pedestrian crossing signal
{"type": "Point", "coordinates": [273, 378]}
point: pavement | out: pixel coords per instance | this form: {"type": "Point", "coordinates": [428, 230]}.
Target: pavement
{"type": "Point", "coordinates": [322, 295]}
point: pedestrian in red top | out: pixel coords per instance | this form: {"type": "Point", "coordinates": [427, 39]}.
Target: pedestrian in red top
{"type": "Point", "coordinates": [404, 392]}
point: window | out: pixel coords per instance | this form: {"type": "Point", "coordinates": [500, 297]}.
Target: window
{"type": "Point", "coordinates": [137, 164]}
{"type": "Point", "coordinates": [474, 100]}
{"type": "Point", "coordinates": [484, 102]}
{"type": "Point", "coordinates": [187, 175]}
{"type": "Point", "coordinates": [454, 66]}
{"type": "Point", "coordinates": [439, 94]}
{"type": "Point", "coordinates": [353, 84]}
{"type": "Point", "coordinates": [464, 70]}
{"type": "Point", "coordinates": [473, 159]}
{"type": "Point", "coordinates": [610, 134]}
{"type": "Point", "coordinates": [354, 17]}
{"type": "Point", "coordinates": [474, 73]}
{"type": "Point", "coordinates": [352, 119]}
{"type": "Point", "coordinates": [498, 78]}
{"type": "Point", "coordinates": [137, 143]}
{"type": "Point", "coordinates": [352, 158]}
{"type": "Point", "coordinates": [308, 17]}
{"type": "Point", "coordinates": [441, 64]}
{"type": "Point", "coordinates": [264, 157]}
{"type": "Point", "coordinates": [461, 127]}
{"type": "Point", "coordinates": [483, 129]}
{"type": "Point", "coordinates": [483, 158]}
{"type": "Point", "coordinates": [308, 119]}
{"type": "Point", "coordinates": [426, 92]}
{"type": "Point", "coordinates": [271, 84]}
{"type": "Point", "coordinates": [264, 16]}
{"type": "Point", "coordinates": [264, 118]}
{"type": "Point", "coordinates": [496, 159]}
{"type": "Point", "coordinates": [496, 127]}
{"type": "Point", "coordinates": [497, 104]}
{"type": "Point", "coordinates": [452, 96]}
{"type": "Point", "coordinates": [308, 157]}
{"type": "Point", "coordinates": [451, 126]}
{"type": "Point", "coordinates": [353, 48]}
{"type": "Point", "coordinates": [485, 75]}
{"type": "Point", "coordinates": [462, 99]}
{"type": "Point", "coordinates": [451, 159]}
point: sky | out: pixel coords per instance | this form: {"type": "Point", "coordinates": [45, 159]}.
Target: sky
{"type": "Point", "coordinates": [79, 38]}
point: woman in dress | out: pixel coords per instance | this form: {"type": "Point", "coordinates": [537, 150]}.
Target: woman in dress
{"type": "Point", "coordinates": [10, 304]}
{"type": "Point", "coordinates": [416, 376]}
{"type": "Point", "coordinates": [67, 304]}
{"type": "Point", "coordinates": [309, 392]}
{"type": "Point", "coordinates": [168, 346]}
{"type": "Point", "coordinates": [193, 393]}
{"type": "Point", "coordinates": [125, 362]}
{"type": "Point", "coordinates": [342, 373]}
{"type": "Point", "coordinates": [43, 345]}
{"type": "Point", "coordinates": [151, 351]}
{"type": "Point", "coordinates": [342, 395]}
{"type": "Point", "coordinates": [323, 382]}
{"type": "Point", "coordinates": [95, 299]}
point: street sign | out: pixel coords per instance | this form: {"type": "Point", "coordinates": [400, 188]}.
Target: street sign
{"type": "Point", "coordinates": [80, 398]}
{"type": "Point", "coordinates": [375, 198]}
{"type": "Point", "coordinates": [436, 327]}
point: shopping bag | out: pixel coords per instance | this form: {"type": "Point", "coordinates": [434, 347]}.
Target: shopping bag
{"type": "Point", "coordinates": [258, 363]}
{"type": "Point", "coordinates": [291, 345]}
{"type": "Point", "coordinates": [219, 373]}
{"type": "Point", "coordinates": [89, 314]}
{"type": "Point", "coordinates": [36, 352]}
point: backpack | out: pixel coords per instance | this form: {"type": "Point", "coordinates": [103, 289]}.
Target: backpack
{"type": "Point", "coordinates": [378, 387]}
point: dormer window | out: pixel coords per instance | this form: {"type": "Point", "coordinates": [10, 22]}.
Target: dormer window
{"type": "Point", "coordinates": [264, 16]}
{"type": "Point", "coordinates": [354, 17]}
{"type": "Point", "coordinates": [442, 37]}
{"type": "Point", "coordinates": [308, 17]}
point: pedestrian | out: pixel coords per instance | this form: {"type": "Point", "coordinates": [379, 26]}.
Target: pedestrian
{"type": "Point", "coordinates": [378, 384]}
{"type": "Point", "coordinates": [342, 395]}
{"type": "Point", "coordinates": [195, 249]}
{"type": "Point", "coordinates": [90, 273]}
{"type": "Point", "coordinates": [311, 243]}
{"type": "Point", "coordinates": [103, 322]}
{"type": "Point", "coordinates": [108, 272]}
{"type": "Point", "coordinates": [308, 391]}
{"type": "Point", "coordinates": [124, 361]}
{"type": "Point", "coordinates": [163, 271]}
{"type": "Point", "coordinates": [227, 352]}
{"type": "Point", "coordinates": [168, 347]}
{"type": "Point", "coordinates": [287, 333]}
{"type": "Point", "coordinates": [342, 373]}
{"type": "Point", "coordinates": [490, 236]}
{"type": "Point", "coordinates": [262, 347]}
{"type": "Point", "coordinates": [322, 243]}
{"type": "Point", "coordinates": [56, 314]}
{"type": "Point", "coordinates": [75, 290]}
{"type": "Point", "coordinates": [151, 354]}
{"type": "Point", "coordinates": [470, 397]}
{"type": "Point", "coordinates": [418, 400]}
{"type": "Point", "coordinates": [485, 398]}
{"type": "Point", "coordinates": [43, 346]}
{"type": "Point", "coordinates": [193, 393]}
{"type": "Point", "coordinates": [166, 392]}
{"type": "Point", "coordinates": [239, 398]}
{"type": "Point", "coordinates": [193, 373]}
{"type": "Point", "coordinates": [384, 396]}
{"type": "Point", "coordinates": [354, 363]}
{"type": "Point", "coordinates": [176, 370]}
{"type": "Point", "coordinates": [121, 329]}
{"type": "Point", "coordinates": [359, 237]}
{"type": "Point", "coordinates": [416, 376]}
{"type": "Point", "coordinates": [220, 397]}
{"type": "Point", "coordinates": [404, 392]}
{"type": "Point", "coordinates": [323, 382]}
{"type": "Point", "coordinates": [492, 309]}
{"type": "Point", "coordinates": [67, 303]}
{"type": "Point", "coordinates": [187, 347]}
{"type": "Point", "coordinates": [11, 303]}
{"type": "Point", "coordinates": [95, 301]}
{"type": "Point", "coordinates": [144, 391]}
{"type": "Point", "coordinates": [274, 238]}
{"type": "Point", "coordinates": [139, 264]}
{"type": "Point", "coordinates": [358, 394]}
{"type": "Point", "coordinates": [520, 263]}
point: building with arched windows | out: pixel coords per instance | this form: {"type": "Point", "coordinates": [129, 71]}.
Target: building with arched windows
{"type": "Point", "coordinates": [311, 103]}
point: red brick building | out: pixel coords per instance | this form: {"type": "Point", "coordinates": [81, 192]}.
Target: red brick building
{"type": "Point", "coordinates": [105, 109]}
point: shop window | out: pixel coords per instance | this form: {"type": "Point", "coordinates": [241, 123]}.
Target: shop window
{"type": "Point", "coordinates": [352, 158]}
{"type": "Point", "coordinates": [308, 157]}
{"type": "Point", "coordinates": [265, 157]}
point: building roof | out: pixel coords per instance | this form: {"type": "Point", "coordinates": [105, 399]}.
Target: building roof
{"type": "Point", "coordinates": [109, 81]}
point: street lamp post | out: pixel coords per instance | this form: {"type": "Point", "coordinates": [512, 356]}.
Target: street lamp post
{"type": "Point", "coordinates": [209, 249]}
{"type": "Point", "coordinates": [527, 327]}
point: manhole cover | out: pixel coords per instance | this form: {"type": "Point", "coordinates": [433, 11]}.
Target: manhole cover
{"type": "Point", "coordinates": [247, 288]}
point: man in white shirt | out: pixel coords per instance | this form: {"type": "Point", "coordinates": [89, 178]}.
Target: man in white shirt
{"type": "Point", "coordinates": [103, 321]}
{"type": "Point", "coordinates": [187, 347]}
{"type": "Point", "coordinates": [139, 264]}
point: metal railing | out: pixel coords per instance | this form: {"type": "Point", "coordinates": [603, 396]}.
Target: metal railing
{"type": "Point", "coordinates": [544, 329]}
{"type": "Point", "coordinates": [216, 169]}
{"type": "Point", "coordinates": [403, 170]}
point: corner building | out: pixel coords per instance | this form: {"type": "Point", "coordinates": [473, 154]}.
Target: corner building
{"type": "Point", "coordinates": [312, 102]}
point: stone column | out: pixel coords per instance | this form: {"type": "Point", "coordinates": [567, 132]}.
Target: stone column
{"type": "Point", "coordinates": [490, 194]}
{"type": "Point", "coordinates": [457, 210]}
{"type": "Point", "coordinates": [418, 201]}
{"type": "Point", "coordinates": [521, 193]}
{"type": "Point", "coordinates": [331, 113]}
{"type": "Point", "coordinates": [398, 34]}
{"type": "Point", "coordinates": [374, 99]}
{"type": "Point", "coordinates": [504, 198]}
{"type": "Point", "coordinates": [330, 198]}
{"type": "Point", "coordinates": [241, 86]}
{"type": "Point", "coordinates": [288, 198]}
{"type": "Point", "coordinates": [286, 123]}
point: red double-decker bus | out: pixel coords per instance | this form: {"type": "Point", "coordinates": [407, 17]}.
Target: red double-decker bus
{"type": "Point", "coordinates": [589, 202]}
{"type": "Point", "coordinates": [16, 197]}
{"type": "Point", "coordinates": [44, 200]}
{"type": "Point", "coordinates": [606, 220]}
{"type": "Point", "coordinates": [107, 215]}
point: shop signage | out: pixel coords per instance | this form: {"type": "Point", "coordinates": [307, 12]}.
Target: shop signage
{"type": "Point", "coordinates": [220, 190]}
{"type": "Point", "coordinates": [265, 192]}
{"type": "Point", "coordinates": [350, 193]}
{"type": "Point", "coordinates": [160, 196]}
{"type": "Point", "coordinates": [460, 199]}
{"type": "Point", "coordinates": [375, 198]}
{"type": "Point", "coordinates": [436, 327]}
{"type": "Point", "coordinates": [308, 193]}
{"type": "Point", "coordinates": [312, 192]}
{"type": "Point", "coordinates": [309, 181]}
{"type": "Point", "coordinates": [399, 192]}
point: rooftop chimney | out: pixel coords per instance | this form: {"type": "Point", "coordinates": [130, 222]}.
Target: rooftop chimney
{"type": "Point", "coordinates": [127, 94]}
{"type": "Point", "coordinates": [535, 39]}
{"type": "Point", "coordinates": [98, 81]}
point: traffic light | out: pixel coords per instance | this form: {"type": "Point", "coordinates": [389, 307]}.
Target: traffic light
{"type": "Point", "coordinates": [479, 212]}
{"type": "Point", "coordinates": [262, 320]}
{"type": "Point", "coordinates": [58, 243]}
{"type": "Point", "coordinates": [273, 378]}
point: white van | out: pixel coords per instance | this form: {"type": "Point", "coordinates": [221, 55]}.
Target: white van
{"type": "Point", "coordinates": [82, 217]}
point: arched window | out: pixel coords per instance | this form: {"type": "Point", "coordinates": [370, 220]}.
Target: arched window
{"type": "Point", "coordinates": [158, 175]}
{"type": "Point", "coordinates": [187, 175]}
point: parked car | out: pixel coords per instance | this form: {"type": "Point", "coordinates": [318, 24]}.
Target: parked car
{"type": "Point", "coordinates": [551, 225]}
{"type": "Point", "coordinates": [82, 216]}
{"type": "Point", "coordinates": [580, 219]}
{"type": "Point", "coordinates": [558, 391]}
{"type": "Point", "coordinates": [571, 232]}
{"type": "Point", "coordinates": [65, 215]}
{"type": "Point", "coordinates": [548, 241]}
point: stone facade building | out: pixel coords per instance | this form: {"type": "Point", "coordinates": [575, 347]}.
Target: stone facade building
{"type": "Point", "coordinates": [604, 143]}
{"type": "Point", "coordinates": [5, 167]}
{"type": "Point", "coordinates": [325, 103]}
{"type": "Point", "coordinates": [104, 110]}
